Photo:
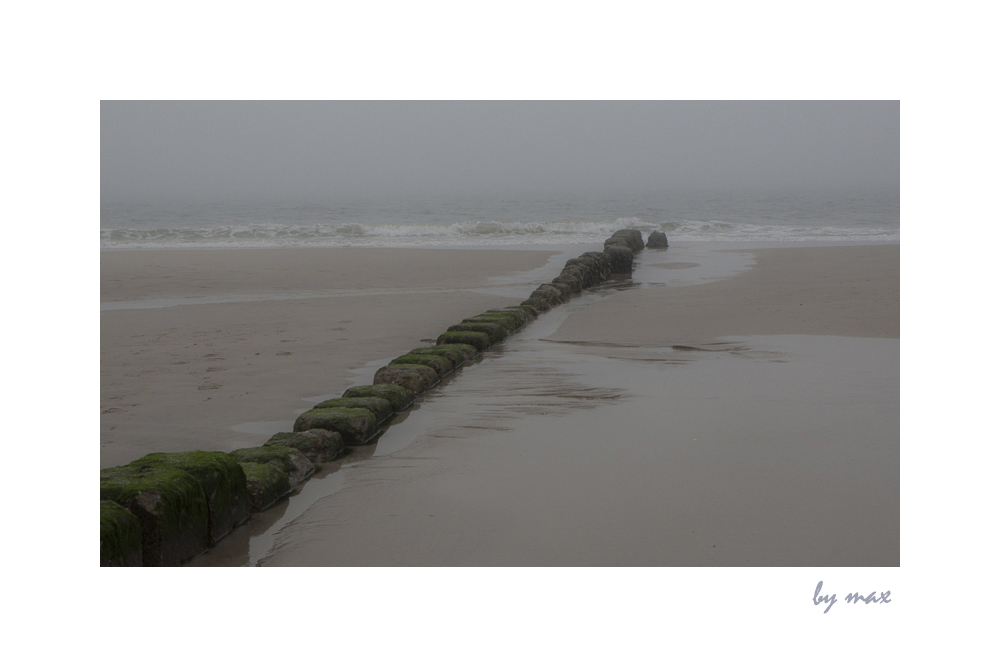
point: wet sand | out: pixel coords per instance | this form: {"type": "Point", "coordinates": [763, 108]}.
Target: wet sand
{"type": "Point", "coordinates": [219, 349]}
{"type": "Point", "coordinates": [670, 421]}
{"type": "Point", "coordinates": [822, 291]}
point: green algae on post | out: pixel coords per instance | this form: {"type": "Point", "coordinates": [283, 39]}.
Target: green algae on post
{"type": "Point", "coordinates": [495, 331]}
{"type": "Point", "coordinates": [536, 304]}
{"type": "Point", "coordinates": [290, 461]}
{"type": "Point", "coordinates": [657, 240]}
{"type": "Point", "coordinates": [571, 280]}
{"type": "Point", "coordinates": [521, 317]}
{"type": "Point", "coordinates": [621, 258]}
{"type": "Point", "coordinates": [380, 407]}
{"type": "Point", "coordinates": [563, 289]}
{"type": "Point", "coordinates": [319, 445]}
{"type": "Point", "coordinates": [399, 397]}
{"type": "Point", "coordinates": [573, 276]}
{"type": "Point", "coordinates": [413, 377]}
{"type": "Point", "coordinates": [476, 339]}
{"type": "Point", "coordinates": [506, 326]}
{"type": "Point", "coordinates": [355, 425]}
{"type": "Point", "coordinates": [222, 480]}
{"type": "Point", "coordinates": [170, 506]}
{"type": "Point", "coordinates": [588, 268]}
{"type": "Point", "coordinates": [526, 309]}
{"type": "Point", "coordinates": [603, 262]}
{"type": "Point", "coordinates": [440, 364]}
{"type": "Point", "coordinates": [404, 376]}
{"type": "Point", "coordinates": [265, 484]}
{"type": "Point", "coordinates": [457, 353]}
{"type": "Point", "coordinates": [121, 536]}
{"type": "Point", "coordinates": [548, 293]}
{"type": "Point", "coordinates": [511, 321]}
{"type": "Point", "coordinates": [631, 238]}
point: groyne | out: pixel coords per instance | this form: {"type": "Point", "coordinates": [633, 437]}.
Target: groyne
{"type": "Point", "coordinates": [165, 509]}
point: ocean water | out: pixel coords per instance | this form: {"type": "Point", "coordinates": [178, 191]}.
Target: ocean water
{"type": "Point", "coordinates": [524, 220]}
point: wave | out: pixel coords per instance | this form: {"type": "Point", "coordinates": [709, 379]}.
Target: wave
{"type": "Point", "coordinates": [718, 230]}
{"type": "Point", "coordinates": [472, 233]}
{"type": "Point", "coordinates": [354, 234]}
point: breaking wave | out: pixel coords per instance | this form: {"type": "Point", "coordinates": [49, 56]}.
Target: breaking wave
{"type": "Point", "coordinates": [371, 235]}
{"type": "Point", "coordinates": [473, 233]}
{"type": "Point", "coordinates": [717, 230]}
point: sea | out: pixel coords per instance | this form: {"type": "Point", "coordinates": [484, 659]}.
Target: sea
{"type": "Point", "coordinates": [522, 220]}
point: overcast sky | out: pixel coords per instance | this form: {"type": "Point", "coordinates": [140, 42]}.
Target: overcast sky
{"type": "Point", "coordinates": [325, 150]}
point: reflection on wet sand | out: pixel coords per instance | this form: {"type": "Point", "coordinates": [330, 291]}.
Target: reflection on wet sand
{"type": "Point", "coordinates": [560, 455]}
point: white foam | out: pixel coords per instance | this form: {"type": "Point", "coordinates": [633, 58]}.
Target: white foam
{"type": "Point", "coordinates": [485, 233]}
{"type": "Point", "coordinates": [718, 230]}
{"type": "Point", "coordinates": [473, 233]}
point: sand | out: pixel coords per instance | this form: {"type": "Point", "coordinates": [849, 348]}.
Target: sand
{"type": "Point", "coordinates": [712, 423]}
{"type": "Point", "coordinates": [824, 291]}
{"type": "Point", "coordinates": [722, 408]}
{"type": "Point", "coordinates": [197, 342]}
{"type": "Point", "coordinates": [780, 456]}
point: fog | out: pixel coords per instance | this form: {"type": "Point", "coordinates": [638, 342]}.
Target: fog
{"type": "Point", "coordinates": [321, 151]}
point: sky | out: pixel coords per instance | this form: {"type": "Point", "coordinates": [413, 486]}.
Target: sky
{"type": "Point", "coordinates": [318, 151]}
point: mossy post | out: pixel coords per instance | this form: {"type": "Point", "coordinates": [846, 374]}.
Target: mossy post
{"type": "Point", "coordinates": [121, 536]}
{"type": "Point", "coordinates": [536, 304]}
{"type": "Point", "coordinates": [476, 339]}
{"type": "Point", "coordinates": [562, 288]}
{"type": "Point", "coordinates": [170, 506]}
{"type": "Point", "coordinates": [415, 379]}
{"type": "Point", "coordinates": [588, 269]}
{"type": "Point", "coordinates": [456, 352]}
{"type": "Point", "coordinates": [521, 316]}
{"type": "Point", "coordinates": [494, 331]}
{"type": "Point", "coordinates": [399, 397]}
{"type": "Point", "coordinates": [222, 480]}
{"type": "Point", "coordinates": [379, 407]}
{"type": "Point", "coordinates": [603, 262]}
{"type": "Point", "coordinates": [355, 425]}
{"type": "Point", "coordinates": [266, 484]}
{"type": "Point", "coordinates": [441, 365]}
{"type": "Point", "coordinates": [527, 310]}
{"type": "Point", "coordinates": [290, 461]}
{"type": "Point", "coordinates": [512, 320]}
{"type": "Point", "coordinates": [621, 257]}
{"type": "Point", "coordinates": [319, 445]}
{"type": "Point", "coordinates": [507, 327]}
{"type": "Point", "coordinates": [548, 293]}
{"type": "Point", "coordinates": [631, 238]}
{"type": "Point", "coordinates": [657, 240]}
{"type": "Point", "coordinates": [571, 276]}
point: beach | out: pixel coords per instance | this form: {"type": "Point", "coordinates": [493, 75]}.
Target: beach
{"type": "Point", "coordinates": [817, 291]}
{"type": "Point", "coordinates": [726, 406]}
{"type": "Point", "coordinates": [196, 343]}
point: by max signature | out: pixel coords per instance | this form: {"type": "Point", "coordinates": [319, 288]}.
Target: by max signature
{"type": "Point", "coordinates": [818, 599]}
